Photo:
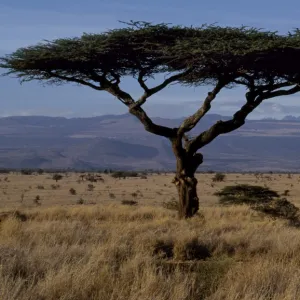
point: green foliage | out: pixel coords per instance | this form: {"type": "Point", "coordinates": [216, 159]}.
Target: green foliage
{"type": "Point", "coordinates": [207, 51]}
{"type": "Point", "coordinates": [281, 208]}
{"type": "Point", "coordinates": [246, 194]}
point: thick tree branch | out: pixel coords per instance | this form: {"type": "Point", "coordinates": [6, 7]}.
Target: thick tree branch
{"type": "Point", "coordinates": [140, 113]}
{"type": "Point", "coordinates": [189, 123]}
{"type": "Point", "coordinates": [238, 119]}
{"type": "Point", "coordinates": [169, 80]}
{"type": "Point", "coordinates": [116, 78]}
{"type": "Point", "coordinates": [222, 127]}
{"type": "Point", "coordinates": [278, 93]}
{"type": "Point", "coordinates": [141, 81]}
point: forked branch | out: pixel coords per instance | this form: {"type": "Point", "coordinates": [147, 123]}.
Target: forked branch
{"type": "Point", "coordinates": [140, 113]}
{"type": "Point", "coordinates": [189, 123]}
{"type": "Point", "coordinates": [148, 92]}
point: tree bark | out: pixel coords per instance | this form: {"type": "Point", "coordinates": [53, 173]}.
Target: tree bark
{"type": "Point", "coordinates": [187, 192]}
{"type": "Point", "coordinates": [185, 180]}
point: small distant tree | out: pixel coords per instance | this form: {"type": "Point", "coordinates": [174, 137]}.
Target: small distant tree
{"type": "Point", "coordinates": [57, 177]}
{"type": "Point", "coordinates": [218, 177]}
{"type": "Point", "coordinates": [265, 63]}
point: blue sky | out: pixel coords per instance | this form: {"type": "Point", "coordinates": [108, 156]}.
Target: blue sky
{"type": "Point", "coordinates": [24, 23]}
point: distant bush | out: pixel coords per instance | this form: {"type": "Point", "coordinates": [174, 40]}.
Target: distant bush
{"type": "Point", "coordinates": [112, 196]}
{"type": "Point", "coordinates": [55, 186]}
{"type": "Point", "coordinates": [246, 194]}
{"type": "Point", "coordinates": [80, 201]}
{"type": "Point", "coordinates": [129, 202]}
{"type": "Point", "coordinates": [40, 171]}
{"type": "Point", "coordinates": [134, 195]}
{"type": "Point", "coordinates": [72, 191]}
{"type": "Point", "coordinates": [218, 177]}
{"type": "Point", "coordinates": [40, 187]}
{"type": "Point", "coordinates": [27, 172]}
{"type": "Point", "coordinates": [124, 174]}
{"type": "Point", "coordinates": [91, 187]}
{"type": "Point", "coordinates": [36, 200]}
{"type": "Point", "coordinates": [91, 178]}
{"type": "Point", "coordinates": [57, 177]}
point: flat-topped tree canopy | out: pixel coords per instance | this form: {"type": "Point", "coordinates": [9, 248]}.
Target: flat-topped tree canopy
{"type": "Point", "coordinates": [143, 49]}
{"type": "Point", "coordinates": [266, 63]}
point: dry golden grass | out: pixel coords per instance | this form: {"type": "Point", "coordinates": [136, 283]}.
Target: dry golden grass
{"type": "Point", "coordinates": [116, 252]}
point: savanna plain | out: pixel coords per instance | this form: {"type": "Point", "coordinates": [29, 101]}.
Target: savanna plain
{"type": "Point", "coordinates": [92, 236]}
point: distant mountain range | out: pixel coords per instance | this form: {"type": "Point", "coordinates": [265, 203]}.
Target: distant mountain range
{"type": "Point", "coordinates": [120, 142]}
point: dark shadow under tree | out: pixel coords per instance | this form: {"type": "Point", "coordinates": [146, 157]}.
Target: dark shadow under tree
{"type": "Point", "coordinates": [265, 63]}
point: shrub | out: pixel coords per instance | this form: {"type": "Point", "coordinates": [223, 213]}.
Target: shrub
{"type": "Point", "coordinates": [36, 200]}
{"type": "Point", "coordinates": [112, 196]}
{"type": "Point", "coordinates": [124, 174]}
{"type": "Point", "coordinates": [245, 194]}
{"type": "Point", "coordinates": [219, 177]}
{"type": "Point", "coordinates": [129, 202]}
{"type": "Point", "coordinates": [286, 193]}
{"type": "Point", "coordinates": [261, 199]}
{"type": "Point", "coordinates": [91, 187]}
{"type": "Point", "coordinates": [40, 171]}
{"type": "Point", "coordinates": [134, 195]}
{"type": "Point", "coordinates": [40, 187]}
{"type": "Point", "coordinates": [280, 208]}
{"type": "Point", "coordinates": [163, 249]}
{"type": "Point", "coordinates": [72, 191]}
{"type": "Point", "coordinates": [55, 186]}
{"type": "Point", "coordinates": [91, 178]}
{"type": "Point", "coordinates": [80, 201]}
{"type": "Point", "coordinates": [26, 172]}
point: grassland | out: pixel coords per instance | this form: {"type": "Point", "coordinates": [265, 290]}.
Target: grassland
{"type": "Point", "coordinates": [87, 245]}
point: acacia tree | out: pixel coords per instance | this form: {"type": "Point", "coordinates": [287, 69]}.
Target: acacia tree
{"type": "Point", "coordinates": [265, 63]}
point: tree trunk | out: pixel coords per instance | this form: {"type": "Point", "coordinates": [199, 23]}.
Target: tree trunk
{"type": "Point", "coordinates": [185, 181]}
{"type": "Point", "coordinates": [187, 192]}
